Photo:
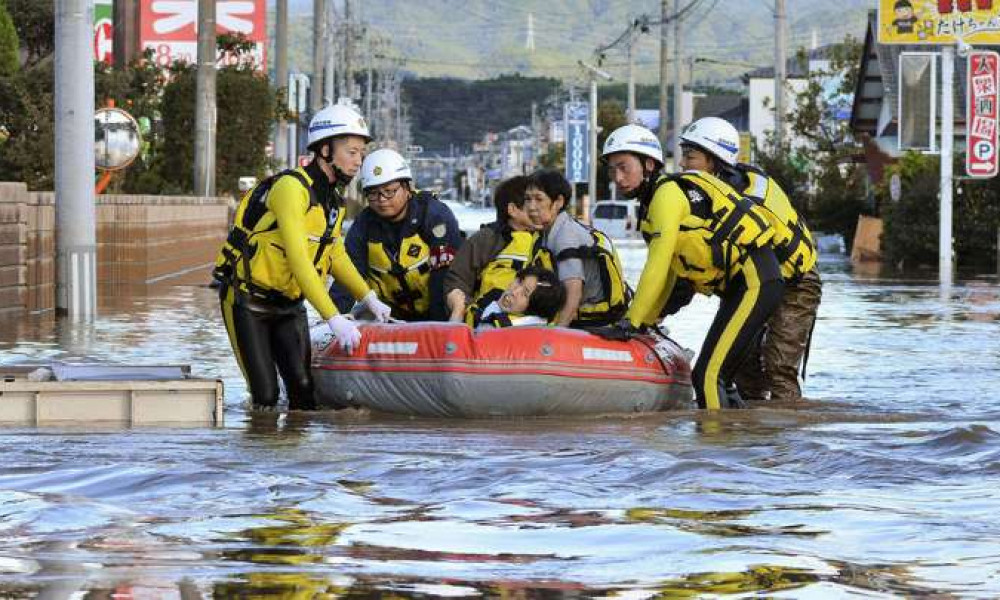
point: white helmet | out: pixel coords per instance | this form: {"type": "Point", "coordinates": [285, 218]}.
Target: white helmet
{"type": "Point", "coordinates": [633, 138]}
{"type": "Point", "coordinates": [383, 166]}
{"type": "Point", "coordinates": [716, 136]}
{"type": "Point", "coordinates": [334, 120]}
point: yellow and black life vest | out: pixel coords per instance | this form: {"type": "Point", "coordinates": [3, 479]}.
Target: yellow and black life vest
{"type": "Point", "coordinates": [499, 272]}
{"type": "Point", "coordinates": [617, 294]}
{"type": "Point", "coordinates": [793, 242]}
{"type": "Point", "coordinates": [252, 259]}
{"type": "Point", "coordinates": [717, 236]}
{"type": "Point", "coordinates": [402, 278]}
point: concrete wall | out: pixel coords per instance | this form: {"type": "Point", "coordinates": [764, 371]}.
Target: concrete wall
{"type": "Point", "coordinates": [141, 241]}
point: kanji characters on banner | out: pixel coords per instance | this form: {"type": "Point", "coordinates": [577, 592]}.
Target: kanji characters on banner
{"type": "Point", "coordinates": [984, 79]}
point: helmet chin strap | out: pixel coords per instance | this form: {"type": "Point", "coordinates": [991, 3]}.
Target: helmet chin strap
{"type": "Point", "coordinates": [644, 189]}
{"type": "Point", "coordinates": [338, 175]}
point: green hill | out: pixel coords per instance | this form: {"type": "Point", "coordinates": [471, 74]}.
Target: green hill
{"type": "Point", "coordinates": [484, 38]}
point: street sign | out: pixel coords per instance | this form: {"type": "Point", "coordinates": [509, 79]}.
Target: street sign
{"type": "Point", "coordinates": [577, 118]}
{"type": "Point", "coordinates": [170, 28]}
{"type": "Point", "coordinates": [895, 187]}
{"type": "Point", "coordinates": [940, 22]}
{"type": "Point", "coordinates": [103, 31]}
{"type": "Point", "coordinates": [981, 92]}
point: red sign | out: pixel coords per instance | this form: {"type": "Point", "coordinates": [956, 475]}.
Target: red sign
{"type": "Point", "coordinates": [169, 27]}
{"type": "Point", "coordinates": [983, 132]}
{"type": "Point", "coordinates": [104, 37]}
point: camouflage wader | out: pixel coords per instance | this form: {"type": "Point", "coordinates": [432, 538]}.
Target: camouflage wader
{"type": "Point", "coordinates": [773, 366]}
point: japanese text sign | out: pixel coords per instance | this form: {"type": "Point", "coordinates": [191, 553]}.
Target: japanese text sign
{"type": "Point", "coordinates": [938, 21]}
{"type": "Point", "coordinates": [982, 136]}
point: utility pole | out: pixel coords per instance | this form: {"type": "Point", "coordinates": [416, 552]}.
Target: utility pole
{"type": "Point", "coordinates": [319, 37]}
{"type": "Point", "coordinates": [126, 33]}
{"type": "Point", "coordinates": [593, 73]}
{"type": "Point", "coordinates": [630, 115]}
{"type": "Point", "coordinates": [76, 283]}
{"type": "Point", "coordinates": [368, 81]}
{"type": "Point", "coordinates": [534, 135]}
{"type": "Point", "coordinates": [947, 145]}
{"type": "Point", "coordinates": [204, 130]}
{"type": "Point", "coordinates": [348, 51]}
{"type": "Point", "coordinates": [664, 61]}
{"type": "Point", "coordinates": [780, 45]}
{"type": "Point", "coordinates": [329, 94]}
{"type": "Point", "coordinates": [398, 85]}
{"type": "Point", "coordinates": [678, 87]}
{"type": "Point", "coordinates": [281, 76]}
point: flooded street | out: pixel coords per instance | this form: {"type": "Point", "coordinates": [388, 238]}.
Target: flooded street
{"type": "Point", "coordinates": [883, 484]}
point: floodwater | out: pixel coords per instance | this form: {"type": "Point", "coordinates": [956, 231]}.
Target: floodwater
{"type": "Point", "coordinates": [883, 484]}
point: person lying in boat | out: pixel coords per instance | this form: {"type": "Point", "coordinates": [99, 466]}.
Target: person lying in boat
{"type": "Point", "coordinates": [534, 297]}
{"type": "Point", "coordinates": [583, 257]}
{"type": "Point", "coordinates": [489, 260]}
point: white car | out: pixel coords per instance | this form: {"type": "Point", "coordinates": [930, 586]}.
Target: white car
{"type": "Point", "coordinates": [616, 218]}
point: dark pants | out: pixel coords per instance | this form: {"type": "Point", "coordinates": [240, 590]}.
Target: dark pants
{"type": "Point", "coordinates": [269, 341]}
{"type": "Point", "coordinates": [747, 302]}
{"type": "Point", "coordinates": [772, 369]}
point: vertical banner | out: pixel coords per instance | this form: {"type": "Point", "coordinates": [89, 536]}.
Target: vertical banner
{"type": "Point", "coordinates": [917, 98]}
{"type": "Point", "coordinates": [169, 27]}
{"type": "Point", "coordinates": [576, 117]}
{"type": "Point", "coordinates": [981, 122]}
{"type": "Point", "coordinates": [104, 31]}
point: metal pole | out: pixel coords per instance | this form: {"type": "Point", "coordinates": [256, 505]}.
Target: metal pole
{"type": "Point", "coordinates": [76, 284]}
{"type": "Point", "coordinates": [593, 73]}
{"type": "Point", "coordinates": [348, 50]}
{"type": "Point", "coordinates": [664, 61]}
{"type": "Point", "coordinates": [631, 77]}
{"type": "Point", "coordinates": [329, 96]}
{"type": "Point", "coordinates": [779, 72]}
{"type": "Point", "coordinates": [592, 178]}
{"type": "Point", "coordinates": [947, 143]}
{"type": "Point", "coordinates": [126, 32]}
{"type": "Point", "coordinates": [534, 136]}
{"type": "Point", "coordinates": [368, 82]}
{"type": "Point", "coordinates": [678, 89]}
{"type": "Point", "coordinates": [281, 77]}
{"type": "Point", "coordinates": [397, 88]}
{"type": "Point", "coordinates": [319, 37]}
{"type": "Point", "coordinates": [204, 131]}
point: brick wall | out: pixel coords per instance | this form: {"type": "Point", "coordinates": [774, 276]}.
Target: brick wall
{"type": "Point", "coordinates": [141, 241]}
{"type": "Point", "coordinates": [13, 247]}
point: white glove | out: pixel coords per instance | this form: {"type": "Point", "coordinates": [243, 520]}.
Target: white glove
{"type": "Point", "coordinates": [345, 331]}
{"type": "Point", "coordinates": [378, 308]}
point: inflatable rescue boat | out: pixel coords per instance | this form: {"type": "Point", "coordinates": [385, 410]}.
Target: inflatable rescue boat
{"type": "Point", "coordinates": [449, 370]}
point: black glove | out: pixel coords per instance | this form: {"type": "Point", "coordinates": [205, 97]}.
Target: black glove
{"type": "Point", "coordinates": [622, 331]}
{"type": "Point", "coordinates": [680, 296]}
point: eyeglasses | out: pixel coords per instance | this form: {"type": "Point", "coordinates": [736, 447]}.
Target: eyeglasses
{"type": "Point", "coordinates": [384, 193]}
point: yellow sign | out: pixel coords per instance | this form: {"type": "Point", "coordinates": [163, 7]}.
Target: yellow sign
{"type": "Point", "coordinates": [938, 21]}
{"type": "Point", "coordinates": [745, 143]}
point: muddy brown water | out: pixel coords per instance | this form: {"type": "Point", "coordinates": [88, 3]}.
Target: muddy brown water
{"type": "Point", "coordinates": [886, 482]}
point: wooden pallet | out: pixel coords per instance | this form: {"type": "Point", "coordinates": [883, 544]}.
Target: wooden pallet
{"type": "Point", "coordinates": [182, 401]}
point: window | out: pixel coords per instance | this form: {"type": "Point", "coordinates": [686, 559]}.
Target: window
{"type": "Point", "coordinates": [610, 211]}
